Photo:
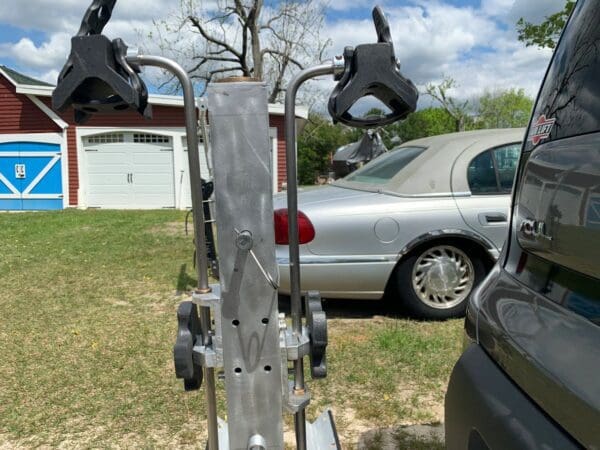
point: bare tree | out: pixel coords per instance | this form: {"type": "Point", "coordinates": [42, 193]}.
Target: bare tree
{"type": "Point", "coordinates": [457, 110]}
{"type": "Point", "coordinates": [244, 38]}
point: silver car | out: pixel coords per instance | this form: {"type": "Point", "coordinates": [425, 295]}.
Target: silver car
{"type": "Point", "coordinates": [423, 223]}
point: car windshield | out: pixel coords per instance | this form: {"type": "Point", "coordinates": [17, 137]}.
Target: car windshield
{"type": "Point", "coordinates": [384, 168]}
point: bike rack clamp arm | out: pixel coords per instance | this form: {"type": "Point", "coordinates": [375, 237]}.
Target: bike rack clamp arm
{"type": "Point", "coordinates": [372, 69]}
{"type": "Point", "coordinates": [97, 77]}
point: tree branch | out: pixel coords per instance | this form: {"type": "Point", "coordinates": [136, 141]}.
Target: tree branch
{"type": "Point", "coordinates": [212, 39]}
{"type": "Point", "coordinates": [285, 56]}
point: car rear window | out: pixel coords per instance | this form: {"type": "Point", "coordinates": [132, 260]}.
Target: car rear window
{"type": "Point", "coordinates": [384, 168]}
{"type": "Point", "coordinates": [568, 102]}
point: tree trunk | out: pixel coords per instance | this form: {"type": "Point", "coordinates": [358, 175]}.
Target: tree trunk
{"type": "Point", "coordinates": [257, 56]}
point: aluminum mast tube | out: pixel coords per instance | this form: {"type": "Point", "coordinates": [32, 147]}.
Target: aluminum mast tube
{"type": "Point", "coordinates": [191, 124]}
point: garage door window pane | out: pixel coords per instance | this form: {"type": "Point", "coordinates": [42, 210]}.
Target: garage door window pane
{"type": "Point", "coordinates": [482, 175]}
{"type": "Point", "coordinates": [108, 138]}
{"type": "Point", "coordinates": [151, 139]}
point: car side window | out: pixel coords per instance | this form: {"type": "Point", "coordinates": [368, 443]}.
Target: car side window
{"type": "Point", "coordinates": [481, 174]}
{"type": "Point", "coordinates": [507, 159]}
{"type": "Point", "coordinates": [493, 171]}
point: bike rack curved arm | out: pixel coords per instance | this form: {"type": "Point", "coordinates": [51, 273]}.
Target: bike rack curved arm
{"type": "Point", "coordinates": [359, 77]}
{"type": "Point", "coordinates": [101, 76]}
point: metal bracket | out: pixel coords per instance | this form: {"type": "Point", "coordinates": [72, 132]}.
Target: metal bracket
{"type": "Point", "coordinates": [293, 347]}
{"type": "Point", "coordinates": [322, 434]}
{"type": "Point", "coordinates": [211, 355]}
{"type": "Point", "coordinates": [297, 346]}
{"type": "Point", "coordinates": [294, 401]}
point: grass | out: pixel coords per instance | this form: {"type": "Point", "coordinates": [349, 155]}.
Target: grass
{"type": "Point", "coordinates": [88, 301]}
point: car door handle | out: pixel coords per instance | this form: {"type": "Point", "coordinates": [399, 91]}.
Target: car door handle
{"type": "Point", "coordinates": [492, 218]}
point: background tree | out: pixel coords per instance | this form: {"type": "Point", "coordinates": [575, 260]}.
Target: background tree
{"type": "Point", "coordinates": [504, 109]}
{"type": "Point", "coordinates": [422, 123]}
{"type": "Point", "coordinates": [319, 139]}
{"type": "Point", "coordinates": [545, 34]}
{"type": "Point", "coordinates": [458, 110]}
{"type": "Point", "coordinates": [244, 38]}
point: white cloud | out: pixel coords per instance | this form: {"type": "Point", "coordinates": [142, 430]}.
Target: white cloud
{"type": "Point", "coordinates": [475, 46]}
{"type": "Point", "coordinates": [534, 10]}
{"type": "Point", "coordinates": [346, 5]}
{"type": "Point", "coordinates": [65, 15]}
{"type": "Point", "coordinates": [50, 54]}
{"type": "Point", "coordinates": [61, 19]}
{"type": "Point", "coordinates": [496, 7]}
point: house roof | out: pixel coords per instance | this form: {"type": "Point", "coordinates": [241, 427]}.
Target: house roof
{"type": "Point", "coordinates": [21, 79]}
{"type": "Point", "coordinates": [30, 86]}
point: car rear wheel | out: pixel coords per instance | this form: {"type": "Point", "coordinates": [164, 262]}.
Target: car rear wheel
{"type": "Point", "coordinates": [435, 282]}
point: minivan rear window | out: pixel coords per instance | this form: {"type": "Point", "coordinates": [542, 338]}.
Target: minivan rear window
{"type": "Point", "coordinates": [568, 103]}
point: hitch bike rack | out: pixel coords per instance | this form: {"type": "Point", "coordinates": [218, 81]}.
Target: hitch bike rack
{"type": "Point", "coordinates": [235, 326]}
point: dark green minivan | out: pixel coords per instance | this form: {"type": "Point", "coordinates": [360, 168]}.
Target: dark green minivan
{"type": "Point", "coordinates": [530, 373]}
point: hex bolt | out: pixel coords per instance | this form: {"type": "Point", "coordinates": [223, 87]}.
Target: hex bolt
{"type": "Point", "coordinates": [244, 240]}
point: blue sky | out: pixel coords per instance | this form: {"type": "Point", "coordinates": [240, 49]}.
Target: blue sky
{"type": "Point", "coordinates": [472, 41]}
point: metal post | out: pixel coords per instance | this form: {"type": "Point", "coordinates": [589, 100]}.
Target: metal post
{"type": "Point", "coordinates": [251, 336]}
{"type": "Point", "coordinates": [191, 123]}
{"type": "Point", "coordinates": [292, 205]}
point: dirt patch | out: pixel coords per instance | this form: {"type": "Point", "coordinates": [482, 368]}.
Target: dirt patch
{"type": "Point", "coordinates": [353, 426]}
{"type": "Point", "coordinates": [170, 229]}
{"type": "Point", "coordinates": [414, 437]}
{"type": "Point", "coordinates": [7, 444]}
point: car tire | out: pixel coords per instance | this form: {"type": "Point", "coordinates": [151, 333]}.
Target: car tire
{"type": "Point", "coordinates": [436, 281]}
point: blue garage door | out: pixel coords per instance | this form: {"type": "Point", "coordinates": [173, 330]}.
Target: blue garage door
{"type": "Point", "coordinates": [30, 176]}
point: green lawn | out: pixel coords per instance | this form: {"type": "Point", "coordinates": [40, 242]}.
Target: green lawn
{"type": "Point", "coordinates": [88, 302]}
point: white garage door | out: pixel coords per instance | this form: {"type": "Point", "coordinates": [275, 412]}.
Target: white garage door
{"type": "Point", "coordinates": [184, 178]}
{"type": "Point", "coordinates": [129, 171]}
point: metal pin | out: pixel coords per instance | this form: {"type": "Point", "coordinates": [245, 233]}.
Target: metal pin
{"type": "Point", "coordinates": [245, 242]}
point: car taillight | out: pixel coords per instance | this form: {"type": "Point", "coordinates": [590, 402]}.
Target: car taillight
{"type": "Point", "coordinates": [306, 231]}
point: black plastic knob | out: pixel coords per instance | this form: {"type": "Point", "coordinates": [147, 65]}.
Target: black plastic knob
{"type": "Point", "coordinates": [188, 333]}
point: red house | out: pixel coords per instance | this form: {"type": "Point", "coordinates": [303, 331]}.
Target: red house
{"type": "Point", "coordinates": [117, 161]}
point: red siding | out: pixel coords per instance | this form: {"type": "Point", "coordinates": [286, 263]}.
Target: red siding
{"type": "Point", "coordinates": [162, 116]}
{"type": "Point", "coordinates": [19, 115]}
{"type": "Point", "coordinates": [278, 122]}
{"type": "Point", "coordinates": [73, 166]}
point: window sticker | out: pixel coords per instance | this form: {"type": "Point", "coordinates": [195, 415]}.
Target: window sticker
{"type": "Point", "coordinates": [541, 129]}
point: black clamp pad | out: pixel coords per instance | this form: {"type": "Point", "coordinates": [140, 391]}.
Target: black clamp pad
{"type": "Point", "coordinates": [372, 69]}
{"type": "Point", "coordinates": [316, 323]}
{"type": "Point", "coordinates": [97, 77]}
{"type": "Point", "coordinates": [188, 333]}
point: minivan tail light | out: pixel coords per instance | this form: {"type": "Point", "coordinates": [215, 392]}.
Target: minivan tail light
{"type": "Point", "coordinates": [306, 231]}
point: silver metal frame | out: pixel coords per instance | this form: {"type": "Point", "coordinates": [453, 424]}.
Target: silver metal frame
{"type": "Point", "coordinates": [292, 206]}
{"type": "Point", "coordinates": [249, 339]}
{"type": "Point", "coordinates": [191, 123]}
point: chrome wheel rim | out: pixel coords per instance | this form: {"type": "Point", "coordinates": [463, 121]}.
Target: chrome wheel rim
{"type": "Point", "coordinates": [443, 276]}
